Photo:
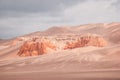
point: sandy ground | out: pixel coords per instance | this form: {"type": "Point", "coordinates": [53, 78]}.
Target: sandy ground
{"type": "Point", "coordinates": [87, 63]}
{"type": "Point", "coordinates": [94, 75]}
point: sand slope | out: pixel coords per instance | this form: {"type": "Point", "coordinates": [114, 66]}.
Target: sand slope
{"type": "Point", "coordinates": [86, 63]}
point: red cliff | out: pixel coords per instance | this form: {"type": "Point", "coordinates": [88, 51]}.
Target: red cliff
{"type": "Point", "coordinates": [33, 48]}
{"type": "Point", "coordinates": [86, 41]}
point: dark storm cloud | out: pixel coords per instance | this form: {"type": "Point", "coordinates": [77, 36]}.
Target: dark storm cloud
{"type": "Point", "coordinates": [20, 7]}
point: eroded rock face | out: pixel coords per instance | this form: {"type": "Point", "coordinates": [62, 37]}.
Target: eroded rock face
{"type": "Point", "coordinates": [34, 48]}
{"type": "Point", "coordinates": [86, 41]}
{"type": "Point", "coordinates": [38, 46]}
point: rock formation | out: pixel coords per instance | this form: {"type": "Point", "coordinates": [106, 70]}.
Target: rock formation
{"type": "Point", "coordinates": [87, 40]}
{"type": "Point", "coordinates": [39, 46]}
{"type": "Point", "coordinates": [33, 48]}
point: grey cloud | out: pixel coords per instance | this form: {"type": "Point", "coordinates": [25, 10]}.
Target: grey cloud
{"type": "Point", "coordinates": [20, 7]}
{"type": "Point", "coordinates": [19, 17]}
{"type": "Point", "coordinates": [11, 31]}
{"type": "Point", "coordinates": [117, 5]}
{"type": "Point", "coordinates": [7, 32]}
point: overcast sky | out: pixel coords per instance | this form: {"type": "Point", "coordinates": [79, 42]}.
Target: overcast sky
{"type": "Point", "coordinates": [18, 17]}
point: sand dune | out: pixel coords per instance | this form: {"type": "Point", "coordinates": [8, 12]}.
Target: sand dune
{"type": "Point", "coordinates": [79, 63]}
